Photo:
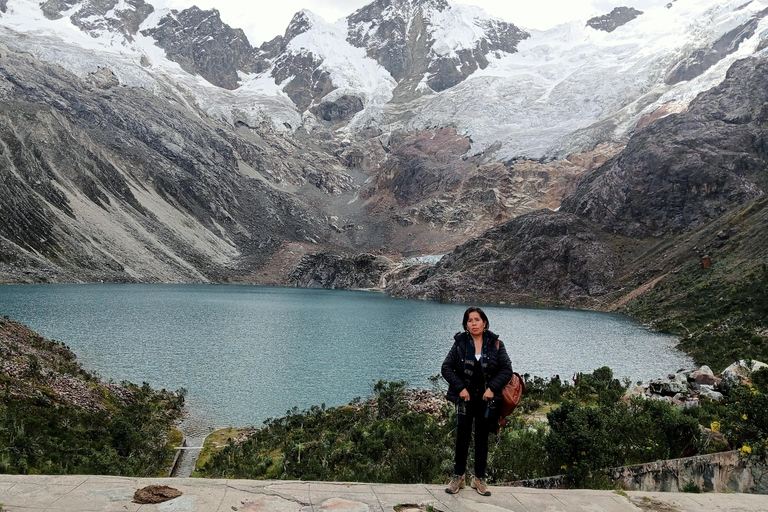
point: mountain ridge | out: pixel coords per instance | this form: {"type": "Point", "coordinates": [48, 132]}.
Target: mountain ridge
{"type": "Point", "coordinates": [123, 163]}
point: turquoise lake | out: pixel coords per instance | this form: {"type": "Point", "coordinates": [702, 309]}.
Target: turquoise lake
{"type": "Point", "coordinates": [247, 353]}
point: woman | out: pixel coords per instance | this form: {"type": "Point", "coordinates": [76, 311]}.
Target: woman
{"type": "Point", "coordinates": [477, 368]}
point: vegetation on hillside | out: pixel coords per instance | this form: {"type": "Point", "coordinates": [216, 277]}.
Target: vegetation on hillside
{"type": "Point", "coordinates": [588, 429]}
{"type": "Point", "coordinates": [56, 418]}
{"type": "Point", "coordinates": [720, 312]}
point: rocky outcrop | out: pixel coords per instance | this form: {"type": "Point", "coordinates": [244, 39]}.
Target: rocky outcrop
{"type": "Point", "coordinates": [738, 373]}
{"type": "Point", "coordinates": [303, 79]}
{"type": "Point", "coordinates": [542, 255]}
{"type": "Point", "coordinates": [101, 15]}
{"type": "Point", "coordinates": [326, 270]}
{"type": "Point", "coordinates": [703, 59]}
{"type": "Point", "coordinates": [686, 169]}
{"type": "Point", "coordinates": [687, 388]}
{"type": "Point", "coordinates": [618, 17]}
{"type": "Point", "coordinates": [204, 45]}
{"type": "Point", "coordinates": [341, 109]}
{"type": "Point", "coordinates": [400, 35]}
{"type": "Point", "coordinates": [426, 182]}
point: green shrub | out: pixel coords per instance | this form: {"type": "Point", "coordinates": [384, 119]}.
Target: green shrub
{"type": "Point", "coordinates": [584, 440]}
{"type": "Point", "coordinates": [385, 443]}
{"type": "Point", "coordinates": [517, 453]}
{"type": "Point", "coordinates": [691, 487]}
{"type": "Point", "coordinates": [38, 436]}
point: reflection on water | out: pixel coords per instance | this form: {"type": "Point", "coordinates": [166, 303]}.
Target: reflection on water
{"type": "Point", "coordinates": [246, 353]}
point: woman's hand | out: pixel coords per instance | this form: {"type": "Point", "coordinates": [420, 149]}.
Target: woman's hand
{"type": "Point", "coordinates": [488, 395]}
{"type": "Point", "coordinates": [464, 395]}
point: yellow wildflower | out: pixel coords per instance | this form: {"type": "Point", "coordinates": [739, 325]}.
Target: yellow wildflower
{"type": "Point", "coordinates": [745, 450]}
{"type": "Point", "coordinates": [715, 426]}
{"type": "Point", "coordinates": [743, 416]}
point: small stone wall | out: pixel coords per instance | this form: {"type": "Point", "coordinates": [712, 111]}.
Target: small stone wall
{"type": "Point", "coordinates": [725, 471]}
{"type": "Point", "coordinates": [718, 472]}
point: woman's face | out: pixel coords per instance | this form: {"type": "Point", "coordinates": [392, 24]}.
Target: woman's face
{"type": "Point", "coordinates": [475, 324]}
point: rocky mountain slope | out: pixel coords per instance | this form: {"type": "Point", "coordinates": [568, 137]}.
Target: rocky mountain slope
{"type": "Point", "coordinates": [677, 176]}
{"type": "Point", "coordinates": [114, 183]}
{"type": "Point", "coordinates": [669, 231]}
{"type": "Point", "coordinates": [144, 144]}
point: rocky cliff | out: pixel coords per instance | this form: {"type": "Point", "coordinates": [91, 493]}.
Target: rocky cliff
{"type": "Point", "coordinates": [618, 17]}
{"type": "Point", "coordinates": [686, 169]}
{"type": "Point", "coordinates": [401, 35]}
{"type": "Point", "coordinates": [540, 256]}
{"type": "Point", "coordinates": [203, 45]}
{"type": "Point", "coordinates": [326, 270]}
{"type": "Point", "coordinates": [102, 182]}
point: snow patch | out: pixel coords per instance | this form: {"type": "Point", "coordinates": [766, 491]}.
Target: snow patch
{"type": "Point", "coordinates": [457, 28]}
{"type": "Point", "coordinates": [351, 70]}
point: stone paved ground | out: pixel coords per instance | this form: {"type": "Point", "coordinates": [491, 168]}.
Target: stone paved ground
{"type": "Point", "coordinates": [114, 494]}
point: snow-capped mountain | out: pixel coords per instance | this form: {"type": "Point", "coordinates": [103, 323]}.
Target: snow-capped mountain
{"type": "Point", "coordinates": [412, 64]}
{"type": "Point", "coordinates": [162, 143]}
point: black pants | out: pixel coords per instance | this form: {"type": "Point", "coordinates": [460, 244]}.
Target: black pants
{"type": "Point", "coordinates": [476, 409]}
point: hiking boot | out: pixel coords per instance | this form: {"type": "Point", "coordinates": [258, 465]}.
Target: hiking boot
{"type": "Point", "coordinates": [457, 482]}
{"type": "Point", "coordinates": [480, 486]}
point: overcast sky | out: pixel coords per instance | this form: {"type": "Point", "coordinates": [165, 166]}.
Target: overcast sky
{"type": "Point", "coordinates": [264, 19]}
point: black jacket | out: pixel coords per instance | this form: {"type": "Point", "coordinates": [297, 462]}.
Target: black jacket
{"type": "Point", "coordinates": [459, 362]}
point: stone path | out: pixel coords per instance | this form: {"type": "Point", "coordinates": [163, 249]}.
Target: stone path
{"type": "Point", "coordinates": [114, 494]}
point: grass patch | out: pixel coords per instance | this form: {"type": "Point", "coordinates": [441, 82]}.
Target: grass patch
{"type": "Point", "coordinates": [173, 441]}
{"type": "Point", "coordinates": [214, 442]}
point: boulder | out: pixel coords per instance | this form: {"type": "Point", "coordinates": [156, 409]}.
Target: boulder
{"type": "Point", "coordinates": [737, 374]}
{"type": "Point", "coordinates": [710, 437]}
{"type": "Point", "coordinates": [704, 376]}
{"type": "Point", "coordinates": [632, 393]}
{"type": "Point", "coordinates": [676, 383]}
{"type": "Point", "coordinates": [709, 392]}
{"type": "Point", "coordinates": [669, 387]}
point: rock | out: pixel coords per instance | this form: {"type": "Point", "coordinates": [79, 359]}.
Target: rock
{"type": "Point", "coordinates": [155, 494]}
{"type": "Point", "coordinates": [737, 374]}
{"type": "Point", "coordinates": [704, 376]}
{"type": "Point", "coordinates": [634, 392]}
{"type": "Point", "coordinates": [549, 254]}
{"type": "Point", "coordinates": [204, 45]}
{"type": "Point", "coordinates": [703, 59]}
{"type": "Point", "coordinates": [718, 439]}
{"type": "Point", "coordinates": [341, 109]}
{"type": "Point", "coordinates": [638, 194]}
{"type": "Point", "coordinates": [618, 17]}
{"type": "Point", "coordinates": [667, 387]}
{"type": "Point", "coordinates": [709, 392]}
{"type": "Point", "coordinates": [328, 270]}
{"type": "Point", "coordinates": [400, 36]}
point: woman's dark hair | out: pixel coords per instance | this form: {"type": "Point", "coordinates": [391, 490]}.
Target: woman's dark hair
{"type": "Point", "coordinates": [479, 312]}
